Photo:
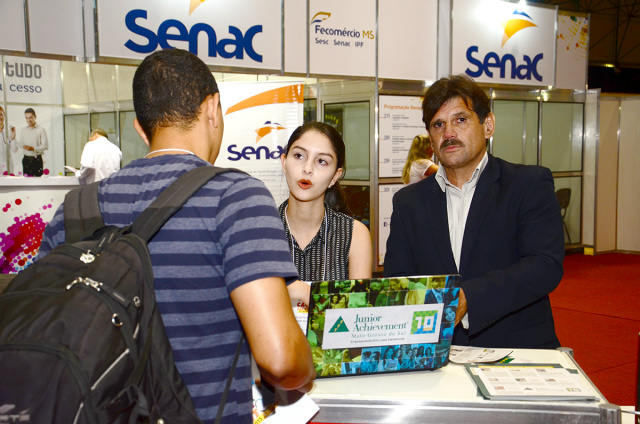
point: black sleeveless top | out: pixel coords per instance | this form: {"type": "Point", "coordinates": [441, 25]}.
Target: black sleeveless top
{"type": "Point", "coordinates": [330, 246]}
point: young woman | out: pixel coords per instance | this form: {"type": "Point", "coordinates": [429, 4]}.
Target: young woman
{"type": "Point", "coordinates": [419, 165]}
{"type": "Point", "coordinates": [325, 243]}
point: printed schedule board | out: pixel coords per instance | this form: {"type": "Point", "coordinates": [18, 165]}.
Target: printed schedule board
{"type": "Point", "coordinates": [400, 120]}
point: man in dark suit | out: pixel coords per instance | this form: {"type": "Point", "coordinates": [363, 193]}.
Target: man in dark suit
{"type": "Point", "coordinates": [496, 223]}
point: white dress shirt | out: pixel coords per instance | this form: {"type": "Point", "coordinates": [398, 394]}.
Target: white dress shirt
{"type": "Point", "coordinates": [458, 205]}
{"type": "Point", "coordinates": [100, 158]}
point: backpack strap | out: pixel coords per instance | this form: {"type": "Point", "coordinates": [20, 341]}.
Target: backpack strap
{"type": "Point", "coordinates": [172, 199]}
{"type": "Point", "coordinates": [82, 215]}
{"type": "Point", "coordinates": [227, 386]}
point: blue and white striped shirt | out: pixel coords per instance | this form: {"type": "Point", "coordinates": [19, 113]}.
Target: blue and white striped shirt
{"type": "Point", "coordinates": [228, 234]}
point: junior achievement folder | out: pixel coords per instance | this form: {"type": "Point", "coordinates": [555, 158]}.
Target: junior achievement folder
{"type": "Point", "coordinates": [382, 325]}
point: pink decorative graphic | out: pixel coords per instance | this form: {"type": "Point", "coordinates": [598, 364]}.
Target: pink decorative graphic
{"type": "Point", "coordinates": [21, 241]}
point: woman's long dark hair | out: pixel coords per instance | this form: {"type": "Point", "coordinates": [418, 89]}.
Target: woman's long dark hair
{"type": "Point", "coordinates": [335, 196]}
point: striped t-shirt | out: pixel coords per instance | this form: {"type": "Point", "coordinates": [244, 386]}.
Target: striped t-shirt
{"type": "Point", "coordinates": [228, 234]}
{"type": "Point", "coordinates": [326, 257]}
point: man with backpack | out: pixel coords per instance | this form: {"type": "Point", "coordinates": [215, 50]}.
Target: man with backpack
{"type": "Point", "coordinates": [221, 262]}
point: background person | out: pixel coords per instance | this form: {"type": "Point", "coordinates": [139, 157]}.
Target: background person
{"type": "Point", "coordinates": [325, 244]}
{"type": "Point", "coordinates": [33, 142]}
{"type": "Point", "coordinates": [419, 164]}
{"type": "Point", "coordinates": [496, 223]}
{"type": "Point", "coordinates": [100, 157]}
{"type": "Point", "coordinates": [221, 262]}
{"type": "Point", "coordinates": [4, 145]}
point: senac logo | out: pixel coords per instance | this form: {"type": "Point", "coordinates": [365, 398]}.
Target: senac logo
{"type": "Point", "coordinates": [523, 70]}
{"type": "Point", "coordinates": [234, 46]}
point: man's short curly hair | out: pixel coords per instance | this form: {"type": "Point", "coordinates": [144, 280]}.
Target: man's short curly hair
{"type": "Point", "coordinates": [169, 88]}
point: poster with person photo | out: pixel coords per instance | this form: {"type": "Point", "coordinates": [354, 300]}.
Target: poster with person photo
{"type": "Point", "coordinates": [35, 140]}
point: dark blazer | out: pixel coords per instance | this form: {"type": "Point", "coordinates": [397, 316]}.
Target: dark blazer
{"type": "Point", "coordinates": [512, 252]}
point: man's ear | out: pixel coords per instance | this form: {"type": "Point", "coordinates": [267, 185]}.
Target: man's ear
{"type": "Point", "coordinates": [489, 125]}
{"type": "Point", "coordinates": [140, 131]}
{"type": "Point", "coordinates": [212, 104]}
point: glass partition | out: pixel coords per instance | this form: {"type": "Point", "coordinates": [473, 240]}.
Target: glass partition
{"type": "Point", "coordinates": [516, 136]}
{"type": "Point", "coordinates": [569, 194]}
{"type": "Point", "coordinates": [562, 136]}
{"type": "Point", "coordinates": [76, 130]}
{"type": "Point", "coordinates": [352, 122]}
{"type": "Point", "coordinates": [310, 110]}
{"type": "Point", "coordinates": [546, 129]}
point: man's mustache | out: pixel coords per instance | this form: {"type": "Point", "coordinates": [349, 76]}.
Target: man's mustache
{"type": "Point", "coordinates": [450, 142]}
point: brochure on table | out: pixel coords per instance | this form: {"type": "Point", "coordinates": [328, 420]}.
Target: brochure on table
{"type": "Point", "coordinates": [540, 382]}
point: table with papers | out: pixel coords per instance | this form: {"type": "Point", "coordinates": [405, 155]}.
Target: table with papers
{"type": "Point", "coordinates": [450, 395]}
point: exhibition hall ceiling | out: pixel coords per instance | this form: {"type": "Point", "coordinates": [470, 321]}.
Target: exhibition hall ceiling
{"type": "Point", "coordinates": [614, 29]}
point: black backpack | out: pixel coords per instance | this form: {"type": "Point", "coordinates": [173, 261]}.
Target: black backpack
{"type": "Point", "coordinates": [81, 337]}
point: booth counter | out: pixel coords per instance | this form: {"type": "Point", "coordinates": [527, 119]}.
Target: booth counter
{"type": "Point", "coordinates": [11, 183]}
{"type": "Point", "coordinates": [449, 395]}
{"type": "Point", "coordinates": [28, 204]}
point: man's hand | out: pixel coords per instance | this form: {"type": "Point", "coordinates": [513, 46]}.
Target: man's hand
{"type": "Point", "coordinates": [462, 306]}
{"type": "Point", "coordinates": [29, 148]}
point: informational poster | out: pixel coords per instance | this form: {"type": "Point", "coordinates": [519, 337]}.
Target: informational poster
{"type": "Point", "coordinates": [48, 121]}
{"type": "Point", "coordinates": [342, 37]}
{"type": "Point", "coordinates": [32, 81]}
{"type": "Point", "coordinates": [33, 88]}
{"type": "Point", "coordinates": [237, 33]}
{"type": "Point", "coordinates": [502, 42]}
{"type": "Point", "coordinates": [35, 85]}
{"type": "Point", "coordinates": [572, 57]}
{"type": "Point", "coordinates": [399, 120]}
{"type": "Point", "coordinates": [258, 121]}
{"type": "Point", "coordinates": [385, 207]}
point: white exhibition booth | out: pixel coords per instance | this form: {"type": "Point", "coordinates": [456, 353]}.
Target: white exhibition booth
{"type": "Point", "coordinates": [360, 65]}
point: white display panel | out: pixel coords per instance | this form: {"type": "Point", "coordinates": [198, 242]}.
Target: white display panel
{"type": "Point", "coordinates": [342, 37]}
{"type": "Point", "coordinates": [295, 36]}
{"type": "Point", "coordinates": [237, 33]}
{"type": "Point", "coordinates": [62, 18]}
{"type": "Point", "coordinates": [12, 35]}
{"type": "Point", "coordinates": [258, 120]}
{"type": "Point", "coordinates": [407, 39]}
{"type": "Point", "coordinates": [501, 42]}
{"type": "Point", "coordinates": [400, 120]}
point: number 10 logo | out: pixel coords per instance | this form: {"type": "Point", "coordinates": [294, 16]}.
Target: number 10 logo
{"type": "Point", "coordinates": [424, 322]}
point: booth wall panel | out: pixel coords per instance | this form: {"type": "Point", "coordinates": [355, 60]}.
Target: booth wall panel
{"type": "Point", "coordinates": [607, 176]}
{"type": "Point", "coordinates": [12, 35]}
{"type": "Point", "coordinates": [62, 18]}
{"type": "Point", "coordinates": [628, 177]}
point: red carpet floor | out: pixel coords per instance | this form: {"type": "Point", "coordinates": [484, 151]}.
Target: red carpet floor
{"type": "Point", "coordinates": [597, 313]}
